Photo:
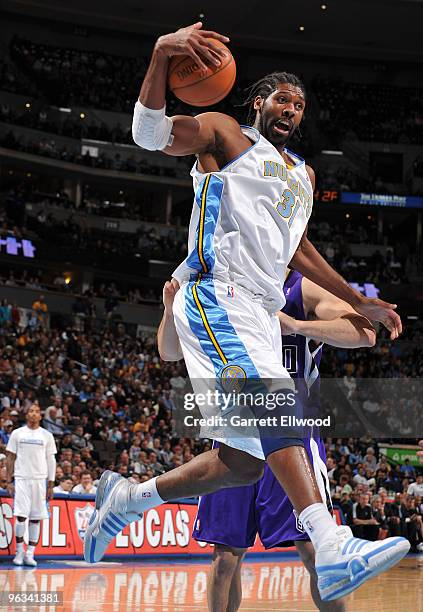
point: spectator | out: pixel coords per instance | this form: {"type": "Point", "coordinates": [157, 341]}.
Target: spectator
{"type": "Point", "coordinates": [79, 440]}
{"type": "Point", "coordinates": [360, 477]}
{"type": "Point", "coordinates": [165, 454]}
{"type": "Point", "coordinates": [393, 481]}
{"type": "Point", "coordinates": [41, 310]}
{"type": "Point", "coordinates": [411, 523]}
{"type": "Point", "coordinates": [154, 464]}
{"type": "Point", "coordinates": [371, 480]}
{"type": "Point", "coordinates": [393, 514]}
{"type": "Point", "coordinates": [5, 313]}
{"type": "Point", "coordinates": [333, 473]}
{"type": "Point", "coordinates": [416, 488]}
{"type": "Point", "coordinates": [11, 400]}
{"type": "Point", "coordinates": [65, 485]}
{"type": "Point", "coordinates": [378, 513]}
{"type": "Point", "coordinates": [362, 522]}
{"type": "Point", "coordinates": [86, 486]}
{"type": "Point", "coordinates": [53, 423]}
{"type": "Point", "coordinates": [370, 459]}
{"type": "Point", "coordinates": [407, 470]}
{"type": "Point", "coordinates": [4, 436]}
{"type": "Point", "coordinates": [56, 407]}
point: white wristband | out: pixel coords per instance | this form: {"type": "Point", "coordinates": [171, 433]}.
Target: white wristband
{"type": "Point", "coordinates": [151, 129]}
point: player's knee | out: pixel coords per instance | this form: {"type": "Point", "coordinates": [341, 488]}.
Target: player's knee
{"type": "Point", "coordinates": [248, 472]}
{"type": "Point", "coordinates": [225, 562]}
{"type": "Point", "coordinates": [21, 519]}
{"type": "Point", "coordinates": [244, 469]}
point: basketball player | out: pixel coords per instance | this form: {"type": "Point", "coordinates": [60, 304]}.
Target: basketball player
{"type": "Point", "coordinates": [231, 518]}
{"type": "Point", "coordinates": [253, 199]}
{"type": "Point", "coordinates": [30, 459]}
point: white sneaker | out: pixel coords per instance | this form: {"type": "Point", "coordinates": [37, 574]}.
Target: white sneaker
{"type": "Point", "coordinates": [19, 558]}
{"type": "Point", "coordinates": [344, 563]}
{"type": "Point", "coordinates": [29, 560]}
{"type": "Point", "coordinates": [109, 517]}
{"type": "Point", "coordinates": [420, 547]}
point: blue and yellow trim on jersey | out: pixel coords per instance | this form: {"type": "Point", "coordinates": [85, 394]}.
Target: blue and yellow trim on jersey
{"type": "Point", "coordinates": [207, 318]}
{"type": "Point", "coordinates": [200, 241]}
{"type": "Point", "coordinates": [208, 199]}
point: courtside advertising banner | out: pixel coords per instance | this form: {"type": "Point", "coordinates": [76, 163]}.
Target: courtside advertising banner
{"type": "Point", "coordinates": [165, 530]}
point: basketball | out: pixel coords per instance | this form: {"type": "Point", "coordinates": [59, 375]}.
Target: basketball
{"type": "Point", "coordinates": [192, 87]}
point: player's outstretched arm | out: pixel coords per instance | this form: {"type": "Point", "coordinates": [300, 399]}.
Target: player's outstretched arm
{"type": "Point", "coordinates": [330, 320]}
{"type": "Point", "coordinates": [167, 337]}
{"type": "Point", "coordinates": [333, 321]}
{"type": "Point", "coordinates": [180, 135]}
{"type": "Point", "coordinates": [313, 266]}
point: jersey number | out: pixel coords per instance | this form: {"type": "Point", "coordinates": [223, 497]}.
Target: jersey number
{"type": "Point", "coordinates": [288, 206]}
{"type": "Point", "coordinates": [290, 358]}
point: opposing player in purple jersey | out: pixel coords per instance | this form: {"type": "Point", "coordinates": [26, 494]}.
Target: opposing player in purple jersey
{"type": "Point", "coordinates": [231, 518]}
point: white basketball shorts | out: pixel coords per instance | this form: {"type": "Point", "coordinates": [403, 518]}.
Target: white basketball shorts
{"type": "Point", "coordinates": [225, 332]}
{"type": "Point", "coordinates": [30, 499]}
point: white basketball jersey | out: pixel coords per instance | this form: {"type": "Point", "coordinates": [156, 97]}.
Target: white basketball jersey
{"type": "Point", "coordinates": [248, 219]}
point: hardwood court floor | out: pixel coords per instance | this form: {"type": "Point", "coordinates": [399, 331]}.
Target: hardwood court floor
{"type": "Point", "coordinates": [271, 585]}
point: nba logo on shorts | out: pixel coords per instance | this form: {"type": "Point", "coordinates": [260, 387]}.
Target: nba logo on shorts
{"type": "Point", "coordinates": [231, 292]}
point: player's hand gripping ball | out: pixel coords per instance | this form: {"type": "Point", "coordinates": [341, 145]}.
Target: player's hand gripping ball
{"type": "Point", "coordinates": [202, 70]}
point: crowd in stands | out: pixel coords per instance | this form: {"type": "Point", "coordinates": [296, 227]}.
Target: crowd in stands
{"type": "Point", "coordinates": [106, 397]}
{"type": "Point", "coordinates": [12, 79]}
{"type": "Point", "coordinates": [74, 77]}
{"type": "Point", "coordinates": [111, 292]}
{"type": "Point", "coordinates": [71, 124]}
{"type": "Point", "coordinates": [386, 265]}
{"type": "Point", "coordinates": [118, 204]}
{"type": "Point", "coordinates": [345, 178]}
{"type": "Point", "coordinates": [68, 240]}
{"type": "Point", "coordinates": [375, 112]}
{"type": "Point", "coordinates": [69, 77]}
{"type": "Point", "coordinates": [55, 77]}
{"type": "Point", "coordinates": [47, 147]}
{"type": "Point", "coordinates": [101, 248]}
{"type": "Point", "coordinates": [378, 499]}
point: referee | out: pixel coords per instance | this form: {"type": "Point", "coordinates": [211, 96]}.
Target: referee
{"type": "Point", "coordinates": [30, 459]}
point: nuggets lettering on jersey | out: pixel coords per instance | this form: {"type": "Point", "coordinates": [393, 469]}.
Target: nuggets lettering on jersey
{"type": "Point", "coordinates": [248, 219]}
{"type": "Point", "coordinates": [294, 196]}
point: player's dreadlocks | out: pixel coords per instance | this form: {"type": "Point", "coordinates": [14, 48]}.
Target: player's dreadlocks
{"type": "Point", "coordinates": [265, 86]}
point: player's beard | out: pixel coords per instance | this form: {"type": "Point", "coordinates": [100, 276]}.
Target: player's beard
{"type": "Point", "coordinates": [265, 127]}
